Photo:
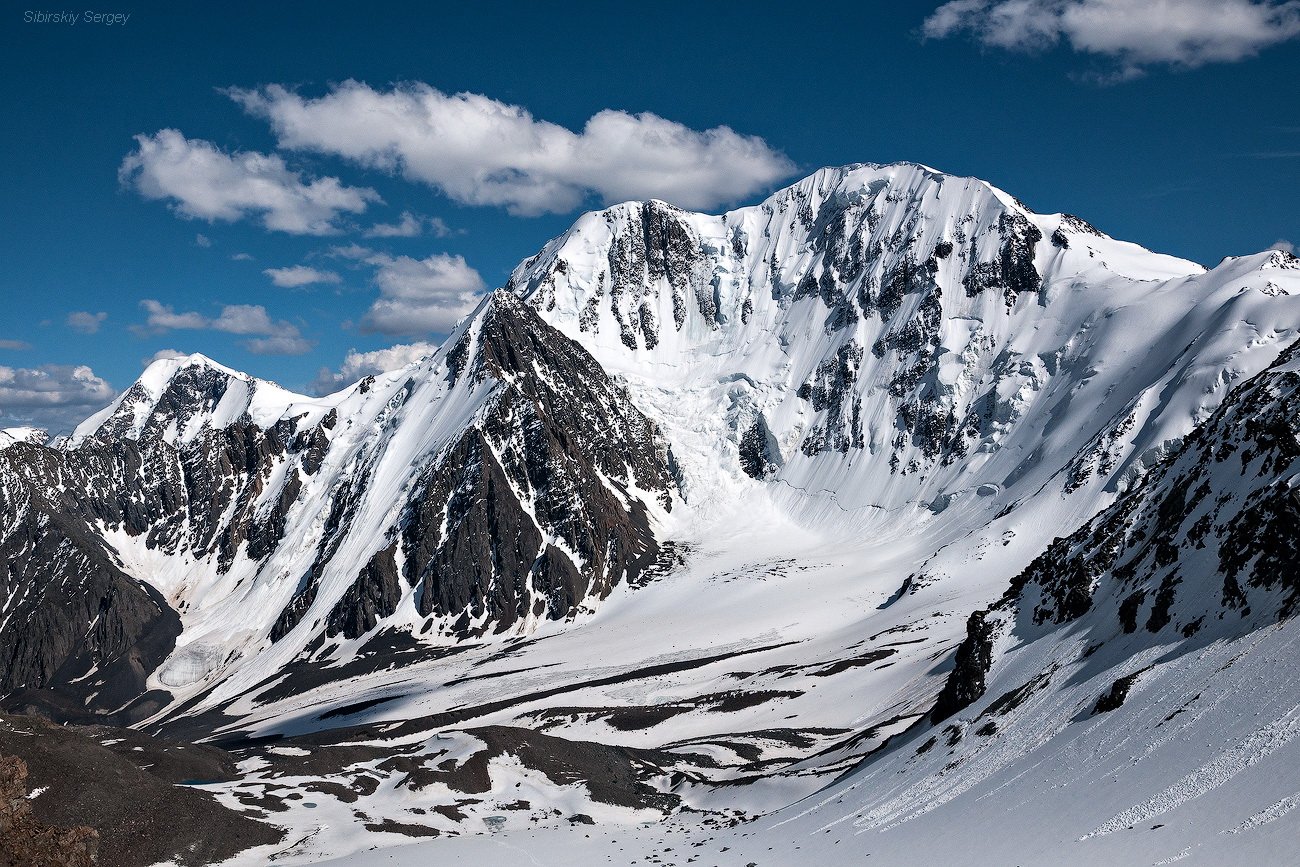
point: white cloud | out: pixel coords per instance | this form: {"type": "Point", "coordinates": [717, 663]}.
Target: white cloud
{"type": "Point", "coordinates": [421, 296]}
{"type": "Point", "coordinates": [52, 396]}
{"type": "Point", "coordinates": [203, 182]}
{"type": "Point", "coordinates": [351, 251]}
{"type": "Point", "coordinates": [358, 364]}
{"type": "Point", "coordinates": [85, 322]}
{"type": "Point", "coordinates": [266, 336]}
{"type": "Point", "coordinates": [481, 151]}
{"type": "Point", "coordinates": [1284, 245]}
{"type": "Point", "coordinates": [242, 257]}
{"type": "Point", "coordinates": [202, 240]}
{"type": "Point", "coordinates": [279, 344]}
{"type": "Point", "coordinates": [407, 227]}
{"type": "Point", "coordinates": [162, 354]}
{"type": "Point", "coordinates": [300, 275]}
{"type": "Point", "coordinates": [14, 344]}
{"type": "Point", "coordinates": [163, 318]}
{"type": "Point", "coordinates": [1136, 33]}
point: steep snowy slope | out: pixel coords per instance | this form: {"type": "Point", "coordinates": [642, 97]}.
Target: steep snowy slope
{"type": "Point", "coordinates": [1132, 698]}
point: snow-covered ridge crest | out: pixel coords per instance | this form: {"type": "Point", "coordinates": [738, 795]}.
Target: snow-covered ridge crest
{"type": "Point", "coordinates": [178, 397]}
{"type": "Point", "coordinates": [30, 435]}
{"type": "Point", "coordinates": [876, 322]}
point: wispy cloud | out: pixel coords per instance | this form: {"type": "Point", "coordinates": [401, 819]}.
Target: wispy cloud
{"type": "Point", "coordinates": [407, 227]}
{"type": "Point", "coordinates": [265, 335]}
{"type": "Point", "coordinates": [16, 345]}
{"type": "Point", "coordinates": [358, 364]}
{"type": "Point", "coordinates": [85, 322]}
{"type": "Point", "coordinates": [1135, 34]}
{"type": "Point", "coordinates": [203, 182]}
{"type": "Point", "coordinates": [421, 296]}
{"type": "Point", "coordinates": [296, 276]}
{"type": "Point", "coordinates": [481, 151]}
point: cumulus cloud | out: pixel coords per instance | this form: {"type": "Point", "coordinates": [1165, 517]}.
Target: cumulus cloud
{"type": "Point", "coordinates": [351, 251]}
{"type": "Point", "coordinates": [421, 296]}
{"type": "Point", "coordinates": [202, 240]}
{"type": "Point", "coordinates": [407, 227]}
{"type": "Point", "coordinates": [1284, 245]}
{"type": "Point", "coordinates": [358, 364]}
{"type": "Point", "coordinates": [6, 343]}
{"type": "Point", "coordinates": [53, 396]}
{"type": "Point", "coordinates": [1135, 33]}
{"type": "Point", "coordinates": [242, 257]}
{"type": "Point", "coordinates": [163, 354]}
{"type": "Point", "coordinates": [265, 335]}
{"type": "Point", "coordinates": [300, 275]}
{"type": "Point", "coordinates": [481, 151]}
{"type": "Point", "coordinates": [85, 322]}
{"type": "Point", "coordinates": [203, 182]}
{"type": "Point", "coordinates": [289, 343]}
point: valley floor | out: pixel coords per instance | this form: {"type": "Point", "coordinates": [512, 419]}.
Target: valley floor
{"type": "Point", "coordinates": [1198, 770]}
{"type": "Point", "coordinates": [814, 648]}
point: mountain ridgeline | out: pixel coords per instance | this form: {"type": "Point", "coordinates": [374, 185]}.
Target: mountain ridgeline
{"type": "Point", "coordinates": [976, 401]}
{"type": "Point", "coordinates": [533, 502]}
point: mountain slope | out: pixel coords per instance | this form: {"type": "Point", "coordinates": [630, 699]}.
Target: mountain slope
{"type": "Point", "coordinates": [477, 491]}
{"type": "Point", "coordinates": [1132, 695]}
{"type": "Point", "coordinates": [1131, 699]}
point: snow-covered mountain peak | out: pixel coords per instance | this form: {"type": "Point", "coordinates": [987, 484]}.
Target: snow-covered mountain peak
{"type": "Point", "coordinates": [887, 334]}
{"type": "Point", "coordinates": [31, 435]}
{"type": "Point", "coordinates": [177, 398]}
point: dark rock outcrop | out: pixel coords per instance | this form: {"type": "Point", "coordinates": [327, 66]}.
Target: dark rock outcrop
{"type": "Point", "coordinates": [1211, 532]}
{"type": "Point", "coordinates": [518, 518]}
{"type": "Point", "coordinates": [128, 793]}
{"type": "Point", "coordinates": [965, 683]}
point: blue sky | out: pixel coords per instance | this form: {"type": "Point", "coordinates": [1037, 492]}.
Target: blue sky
{"type": "Point", "coordinates": [170, 182]}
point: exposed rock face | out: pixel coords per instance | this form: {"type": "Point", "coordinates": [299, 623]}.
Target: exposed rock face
{"type": "Point", "coordinates": [1212, 535]}
{"type": "Point", "coordinates": [155, 470]}
{"type": "Point", "coordinates": [77, 634]}
{"type": "Point", "coordinates": [518, 519]}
